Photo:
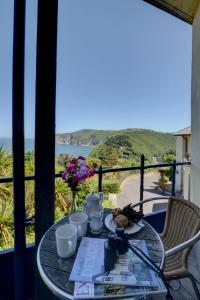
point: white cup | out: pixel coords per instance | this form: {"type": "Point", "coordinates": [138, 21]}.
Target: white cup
{"type": "Point", "coordinates": [96, 223]}
{"type": "Point", "coordinates": [79, 220]}
{"type": "Point", "coordinates": [66, 239]}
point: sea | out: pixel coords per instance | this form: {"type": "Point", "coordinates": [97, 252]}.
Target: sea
{"type": "Point", "coordinates": [74, 150]}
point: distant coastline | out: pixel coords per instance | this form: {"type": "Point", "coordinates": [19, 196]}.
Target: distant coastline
{"type": "Point", "coordinates": [74, 150]}
{"type": "Point", "coordinates": [138, 140]}
{"type": "Point", "coordinates": [81, 145]}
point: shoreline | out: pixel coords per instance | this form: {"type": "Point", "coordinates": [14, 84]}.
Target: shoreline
{"type": "Point", "coordinates": [29, 146]}
{"type": "Point", "coordinates": [68, 144]}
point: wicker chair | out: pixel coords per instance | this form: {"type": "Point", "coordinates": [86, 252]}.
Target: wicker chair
{"type": "Point", "coordinates": [181, 231]}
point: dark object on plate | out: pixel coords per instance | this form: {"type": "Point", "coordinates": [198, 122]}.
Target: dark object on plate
{"type": "Point", "coordinates": [116, 212]}
{"type": "Point", "coordinates": [132, 214]}
{"type": "Point", "coordinates": [121, 221]}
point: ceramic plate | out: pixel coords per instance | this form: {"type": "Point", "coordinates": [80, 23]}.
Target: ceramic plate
{"type": "Point", "coordinates": [111, 225]}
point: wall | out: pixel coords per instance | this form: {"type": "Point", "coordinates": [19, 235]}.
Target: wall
{"type": "Point", "coordinates": [186, 182]}
{"type": "Point", "coordinates": [195, 125]}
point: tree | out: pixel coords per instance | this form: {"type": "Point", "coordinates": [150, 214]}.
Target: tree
{"type": "Point", "coordinates": [107, 154]}
{"type": "Point", "coordinates": [119, 141]}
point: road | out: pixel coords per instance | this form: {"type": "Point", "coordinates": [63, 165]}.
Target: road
{"type": "Point", "coordinates": [130, 192]}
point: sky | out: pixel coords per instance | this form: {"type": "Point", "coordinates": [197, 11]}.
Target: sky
{"type": "Point", "coordinates": [120, 64]}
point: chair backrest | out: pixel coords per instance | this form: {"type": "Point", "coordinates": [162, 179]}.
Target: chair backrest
{"type": "Point", "coordinates": [181, 224]}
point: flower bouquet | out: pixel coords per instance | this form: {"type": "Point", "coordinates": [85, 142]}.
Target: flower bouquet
{"type": "Point", "coordinates": [75, 173]}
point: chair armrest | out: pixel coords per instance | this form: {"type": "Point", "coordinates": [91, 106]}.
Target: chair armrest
{"type": "Point", "coordinates": [183, 245]}
{"type": "Point", "coordinates": [150, 199]}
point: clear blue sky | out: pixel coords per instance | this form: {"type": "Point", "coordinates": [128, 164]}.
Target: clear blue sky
{"type": "Point", "coordinates": [121, 64]}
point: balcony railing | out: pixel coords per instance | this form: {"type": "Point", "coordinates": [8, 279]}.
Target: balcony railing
{"type": "Point", "coordinates": [142, 169]}
{"type": "Point", "coordinates": [101, 171]}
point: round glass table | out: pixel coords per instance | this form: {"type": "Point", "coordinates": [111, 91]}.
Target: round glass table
{"type": "Point", "coordinates": [55, 271]}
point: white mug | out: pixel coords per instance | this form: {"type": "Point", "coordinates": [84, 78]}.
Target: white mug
{"type": "Point", "coordinates": [66, 239]}
{"type": "Point", "coordinates": [79, 220]}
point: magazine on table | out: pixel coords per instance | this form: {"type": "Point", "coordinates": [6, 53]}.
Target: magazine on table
{"type": "Point", "coordinates": [129, 269]}
{"type": "Point", "coordinates": [86, 290]}
{"type": "Point", "coordinates": [131, 276]}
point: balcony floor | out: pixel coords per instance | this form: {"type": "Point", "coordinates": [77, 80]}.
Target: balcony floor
{"type": "Point", "coordinates": [186, 293]}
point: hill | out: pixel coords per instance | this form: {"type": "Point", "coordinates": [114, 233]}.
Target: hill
{"type": "Point", "coordinates": [145, 141]}
{"type": "Point", "coordinates": [85, 137]}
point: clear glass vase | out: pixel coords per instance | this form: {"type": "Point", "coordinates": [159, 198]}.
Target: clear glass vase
{"type": "Point", "coordinates": [73, 203]}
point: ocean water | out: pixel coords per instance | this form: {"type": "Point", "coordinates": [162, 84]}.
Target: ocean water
{"type": "Point", "coordinates": [74, 150]}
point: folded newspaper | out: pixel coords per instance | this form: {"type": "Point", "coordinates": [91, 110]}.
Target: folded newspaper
{"type": "Point", "coordinates": [86, 290]}
{"type": "Point", "coordinates": [131, 276]}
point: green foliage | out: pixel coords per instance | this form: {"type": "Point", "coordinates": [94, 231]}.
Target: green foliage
{"type": "Point", "coordinates": [6, 204]}
{"type": "Point", "coordinates": [58, 213]}
{"type": "Point", "coordinates": [119, 141]}
{"type": "Point", "coordinates": [168, 157]}
{"type": "Point", "coordinates": [29, 185]}
{"type": "Point", "coordinates": [6, 224]}
{"type": "Point", "coordinates": [29, 156]}
{"type": "Point", "coordinates": [30, 234]}
{"type": "Point", "coordinates": [129, 144]}
{"type": "Point", "coordinates": [62, 196]}
{"type": "Point", "coordinates": [91, 160]}
{"type": "Point", "coordinates": [5, 163]}
{"type": "Point", "coordinates": [62, 159]}
{"type": "Point", "coordinates": [111, 186]}
{"type": "Point", "coordinates": [108, 155]}
{"type": "Point", "coordinates": [107, 203]}
{"type": "Point", "coordinates": [164, 183]}
{"type": "Point", "coordinates": [89, 186]}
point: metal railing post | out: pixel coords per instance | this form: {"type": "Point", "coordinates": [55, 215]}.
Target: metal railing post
{"type": "Point", "coordinates": [100, 179]}
{"type": "Point", "coordinates": [18, 148]}
{"type": "Point", "coordinates": [174, 178]}
{"type": "Point", "coordinates": [46, 58]}
{"type": "Point", "coordinates": [141, 180]}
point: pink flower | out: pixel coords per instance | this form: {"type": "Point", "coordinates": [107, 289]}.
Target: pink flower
{"type": "Point", "coordinates": [77, 171]}
{"type": "Point", "coordinates": [94, 165]}
{"type": "Point", "coordinates": [81, 158]}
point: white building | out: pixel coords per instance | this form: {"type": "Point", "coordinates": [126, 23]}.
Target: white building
{"type": "Point", "coordinates": [183, 152]}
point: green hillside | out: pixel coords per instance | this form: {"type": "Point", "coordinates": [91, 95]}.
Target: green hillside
{"type": "Point", "coordinates": [150, 142]}
{"type": "Point", "coordinates": [144, 141]}
{"type": "Point", "coordinates": [89, 137]}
